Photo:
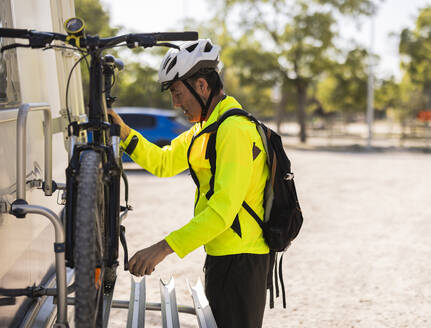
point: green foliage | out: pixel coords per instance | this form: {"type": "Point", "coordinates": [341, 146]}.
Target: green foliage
{"type": "Point", "coordinates": [345, 86]}
{"type": "Point", "coordinates": [135, 86]}
{"type": "Point", "coordinates": [283, 42]}
{"type": "Point", "coordinates": [387, 95]}
{"type": "Point", "coordinates": [88, 10]}
{"type": "Point", "coordinates": [411, 99]}
{"type": "Point", "coordinates": [415, 49]}
{"type": "Point", "coordinates": [350, 7]}
{"type": "Point", "coordinates": [251, 86]}
{"type": "Point", "coordinates": [96, 18]}
{"type": "Point", "coordinates": [403, 100]}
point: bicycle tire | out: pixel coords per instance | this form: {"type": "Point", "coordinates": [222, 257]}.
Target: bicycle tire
{"type": "Point", "coordinates": [88, 252]}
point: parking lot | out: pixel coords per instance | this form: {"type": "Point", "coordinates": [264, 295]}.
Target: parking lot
{"type": "Point", "coordinates": [361, 260]}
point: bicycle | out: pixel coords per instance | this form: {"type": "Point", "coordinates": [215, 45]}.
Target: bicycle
{"type": "Point", "coordinates": [93, 176]}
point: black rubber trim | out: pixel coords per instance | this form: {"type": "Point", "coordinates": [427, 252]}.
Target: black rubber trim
{"type": "Point", "coordinates": [212, 157]}
{"type": "Point", "coordinates": [270, 279]}
{"type": "Point", "coordinates": [5, 301]}
{"type": "Point", "coordinates": [192, 172]}
{"type": "Point", "coordinates": [124, 244]}
{"type": "Point", "coordinates": [59, 247]}
{"type": "Point", "coordinates": [132, 145]}
{"type": "Point", "coordinates": [280, 274]}
{"type": "Point", "coordinates": [236, 226]}
{"type": "Point", "coordinates": [253, 214]}
{"type": "Point", "coordinates": [209, 128]}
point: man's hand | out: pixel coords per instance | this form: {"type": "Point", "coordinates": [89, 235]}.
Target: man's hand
{"type": "Point", "coordinates": [125, 129]}
{"type": "Point", "coordinates": [145, 260]}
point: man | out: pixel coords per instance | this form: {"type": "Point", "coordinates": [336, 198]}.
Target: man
{"type": "Point", "coordinates": [237, 260]}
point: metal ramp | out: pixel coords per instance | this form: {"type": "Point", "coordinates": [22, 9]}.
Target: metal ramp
{"type": "Point", "coordinates": [202, 307]}
{"type": "Point", "coordinates": [137, 305]}
{"type": "Point", "coordinates": [170, 317]}
{"type": "Point", "coordinates": [43, 313]}
{"type": "Point", "coordinates": [136, 315]}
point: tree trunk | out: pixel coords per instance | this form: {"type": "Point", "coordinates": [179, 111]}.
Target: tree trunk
{"type": "Point", "coordinates": [281, 107]}
{"type": "Point", "coordinates": [301, 88]}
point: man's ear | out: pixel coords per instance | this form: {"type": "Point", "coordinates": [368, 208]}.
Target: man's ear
{"type": "Point", "coordinates": [202, 85]}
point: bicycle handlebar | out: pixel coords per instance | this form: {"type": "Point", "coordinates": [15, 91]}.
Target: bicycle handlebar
{"type": "Point", "coordinates": [42, 39]}
{"type": "Point", "coordinates": [14, 33]}
{"type": "Point", "coordinates": [176, 36]}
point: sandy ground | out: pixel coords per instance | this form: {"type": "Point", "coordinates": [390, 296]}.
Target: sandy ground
{"type": "Point", "coordinates": [362, 258]}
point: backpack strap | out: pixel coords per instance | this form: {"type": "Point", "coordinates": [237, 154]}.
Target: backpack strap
{"type": "Point", "coordinates": [212, 157]}
{"type": "Point", "coordinates": [270, 279]}
{"type": "Point", "coordinates": [211, 146]}
{"type": "Point", "coordinates": [276, 270]}
{"type": "Point", "coordinates": [280, 274]}
{"type": "Point", "coordinates": [208, 129]}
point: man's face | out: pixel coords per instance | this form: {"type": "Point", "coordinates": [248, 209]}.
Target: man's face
{"type": "Point", "coordinates": [182, 98]}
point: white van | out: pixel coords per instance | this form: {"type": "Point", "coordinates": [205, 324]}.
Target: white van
{"type": "Point", "coordinates": [32, 77]}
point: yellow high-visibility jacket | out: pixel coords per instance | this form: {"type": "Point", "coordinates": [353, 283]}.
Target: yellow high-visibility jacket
{"type": "Point", "coordinates": [241, 174]}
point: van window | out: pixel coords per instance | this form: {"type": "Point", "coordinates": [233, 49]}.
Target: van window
{"type": "Point", "coordinates": [9, 81]}
{"type": "Point", "coordinates": [139, 120]}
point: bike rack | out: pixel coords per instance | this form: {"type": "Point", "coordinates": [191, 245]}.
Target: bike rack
{"type": "Point", "coordinates": [137, 305]}
{"type": "Point", "coordinates": [107, 305]}
{"type": "Point", "coordinates": [169, 305]}
{"type": "Point", "coordinates": [21, 137]}
{"type": "Point", "coordinates": [202, 307]}
{"type": "Point", "coordinates": [42, 312]}
{"type": "Point", "coordinates": [20, 207]}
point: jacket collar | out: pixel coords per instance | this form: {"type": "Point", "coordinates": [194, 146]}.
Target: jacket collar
{"type": "Point", "coordinates": [223, 105]}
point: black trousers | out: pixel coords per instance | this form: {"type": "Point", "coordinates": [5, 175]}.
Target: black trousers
{"type": "Point", "coordinates": [235, 286]}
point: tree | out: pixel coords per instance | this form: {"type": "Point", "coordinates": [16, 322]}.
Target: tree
{"type": "Point", "coordinates": [88, 10]}
{"type": "Point", "coordinates": [138, 86]}
{"type": "Point", "coordinates": [299, 35]}
{"type": "Point", "coordinates": [96, 18]}
{"type": "Point", "coordinates": [135, 86]}
{"type": "Point", "coordinates": [415, 49]}
{"type": "Point", "coordinates": [388, 96]}
{"type": "Point", "coordinates": [344, 87]}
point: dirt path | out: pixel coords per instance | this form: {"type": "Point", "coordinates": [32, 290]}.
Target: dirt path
{"type": "Point", "coordinates": [361, 260]}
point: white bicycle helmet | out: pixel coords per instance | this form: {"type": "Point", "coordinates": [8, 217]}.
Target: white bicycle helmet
{"type": "Point", "coordinates": [190, 58]}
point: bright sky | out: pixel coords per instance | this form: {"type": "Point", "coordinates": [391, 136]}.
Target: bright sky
{"type": "Point", "coordinates": [163, 15]}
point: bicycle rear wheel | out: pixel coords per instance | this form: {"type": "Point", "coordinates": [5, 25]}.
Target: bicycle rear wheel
{"type": "Point", "coordinates": [89, 241]}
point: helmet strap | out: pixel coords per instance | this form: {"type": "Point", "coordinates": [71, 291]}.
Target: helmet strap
{"type": "Point", "coordinates": [204, 106]}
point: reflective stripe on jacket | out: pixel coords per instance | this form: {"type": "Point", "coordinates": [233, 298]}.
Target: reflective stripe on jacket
{"type": "Point", "coordinates": [241, 174]}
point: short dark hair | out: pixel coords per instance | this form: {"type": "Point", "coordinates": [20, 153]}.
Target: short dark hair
{"type": "Point", "coordinates": [211, 76]}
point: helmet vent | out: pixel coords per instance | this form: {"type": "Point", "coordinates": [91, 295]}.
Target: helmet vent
{"type": "Point", "coordinates": [208, 47]}
{"type": "Point", "coordinates": [192, 47]}
{"type": "Point", "coordinates": [171, 65]}
{"type": "Point", "coordinates": [166, 62]}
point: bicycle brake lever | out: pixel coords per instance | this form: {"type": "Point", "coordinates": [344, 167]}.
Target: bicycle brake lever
{"type": "Point", "coordinates": [14, 45]}
{"type": "Point", "coordinates": [167, 44]}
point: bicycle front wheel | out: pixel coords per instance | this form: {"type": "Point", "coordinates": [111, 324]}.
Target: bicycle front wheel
{"type": "Point", "coordinates": [89, 243]}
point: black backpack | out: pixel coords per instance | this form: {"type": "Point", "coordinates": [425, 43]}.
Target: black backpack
{"type": "Point", "coordinates": [283, 216]}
